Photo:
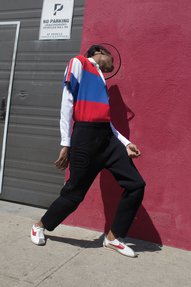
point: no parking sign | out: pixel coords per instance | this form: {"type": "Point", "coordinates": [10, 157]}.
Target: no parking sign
{"type": "Point", "coordinates": [56, 19]}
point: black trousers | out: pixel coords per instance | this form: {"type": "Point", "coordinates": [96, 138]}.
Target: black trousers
{"type": "Point", "coordinates": [93, 148]}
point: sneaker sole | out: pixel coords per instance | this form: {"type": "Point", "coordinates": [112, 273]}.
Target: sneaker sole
{"type": "Point", "coordinates": [41, 242]}
{"type": "Point", "coordinates": [38, 244]}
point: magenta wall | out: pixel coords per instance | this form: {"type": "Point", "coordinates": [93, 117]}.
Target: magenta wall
{"type": "Point", "coordinates": [151, 101]}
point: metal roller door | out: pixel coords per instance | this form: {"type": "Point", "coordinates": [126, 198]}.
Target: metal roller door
{"type": "Point", "coordinates": [33, 137]}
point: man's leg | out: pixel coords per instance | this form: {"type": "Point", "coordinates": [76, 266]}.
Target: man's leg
{"type": "Point", "coordinates": [72, 194]}
{"type": "Point", "coordinates": [70, 197]}
{"type": "Point", "coordinates": [127, 209]}
{"type": "Point", "coordinates": [128, 177]}
{"type": "Point", "coordinates": [84, 166]}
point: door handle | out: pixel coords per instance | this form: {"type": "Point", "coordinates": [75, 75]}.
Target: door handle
{"type": "Point", "coordinates": [3, 109]}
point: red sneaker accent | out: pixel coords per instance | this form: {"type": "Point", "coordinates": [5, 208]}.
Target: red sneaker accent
{"type": "Point", "coordinates": [33, 232]}
{"type": "Point", "coordinates": [119, 246]}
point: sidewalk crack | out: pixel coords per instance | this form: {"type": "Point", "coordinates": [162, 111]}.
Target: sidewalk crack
{"type": "Point", "coordinates": [59, 267]}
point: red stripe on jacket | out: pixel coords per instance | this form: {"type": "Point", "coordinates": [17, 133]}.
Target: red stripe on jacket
{"type": "Point", "coordinates": [91, 111]}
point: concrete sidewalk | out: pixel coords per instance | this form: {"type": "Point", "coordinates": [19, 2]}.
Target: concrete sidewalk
{"type": "Point", "coordinates": [75, 257]}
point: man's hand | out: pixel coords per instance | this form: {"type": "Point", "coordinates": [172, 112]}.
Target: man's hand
{"type": "Point", "coordinates": [63, 159]}
{"type": "Point", "coordinates": [132, 150]}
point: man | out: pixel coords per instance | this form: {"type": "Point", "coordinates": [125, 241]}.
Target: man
{"type": "Point", "coordinates": [95, 144]}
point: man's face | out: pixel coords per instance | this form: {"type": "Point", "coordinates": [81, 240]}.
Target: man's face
{"type": "Point", "coordinates": [107, 63]}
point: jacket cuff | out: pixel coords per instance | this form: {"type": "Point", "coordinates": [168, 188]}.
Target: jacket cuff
{"type": "Point", "coordinates": [66, 142]}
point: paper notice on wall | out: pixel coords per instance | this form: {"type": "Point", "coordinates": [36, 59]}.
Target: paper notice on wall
{"type": "Point", "coordinates": [56, 19]}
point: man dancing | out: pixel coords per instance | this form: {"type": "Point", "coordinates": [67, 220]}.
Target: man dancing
{"type": "Point", "coordinates": [94, 145]}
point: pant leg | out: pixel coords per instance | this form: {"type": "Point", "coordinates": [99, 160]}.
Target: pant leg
{"type": "Point", "coordinates": [126, 211]}
{"type": "Point", "coordinates": [85, 164]}
{"type": "Point", "coordinates": [128, 177]}
{"type": "Point", "coordinates": [70, 197]}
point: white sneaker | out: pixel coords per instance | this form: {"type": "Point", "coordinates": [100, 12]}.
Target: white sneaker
{"type": "Point", "coordinates": [119, 246]}
{"type": "Point", "coordinates": [37, 235]}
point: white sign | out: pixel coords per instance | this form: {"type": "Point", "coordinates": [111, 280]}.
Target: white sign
{"type": "Point", "coordinates": [56, 19]}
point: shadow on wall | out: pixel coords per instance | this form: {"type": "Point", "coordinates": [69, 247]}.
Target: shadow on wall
{"type": "Point", "coordinates": [123, 114]}
{"type": "Point", "coordinates": [142, 227]}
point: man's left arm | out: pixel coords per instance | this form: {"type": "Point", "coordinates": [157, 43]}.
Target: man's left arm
{"type": "Point", "coordinates": [132, 149]}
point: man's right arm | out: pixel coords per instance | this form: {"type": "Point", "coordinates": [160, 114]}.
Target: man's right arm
{"type": "Point", "coordinates": [71, 80]}
{"type": "Point", "coordinates": [65, 128]}
{"type": "Point", "coordinates": [66, 113]}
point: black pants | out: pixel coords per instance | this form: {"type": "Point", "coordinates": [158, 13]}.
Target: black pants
{"type": "Point", "coordinates": [94, 147]}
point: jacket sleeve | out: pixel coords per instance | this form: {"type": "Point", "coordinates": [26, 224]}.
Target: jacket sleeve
{"type": "Point", "coordinates": [119, 136]}
{"type": "Point", "coordinates": [66, 113]}
{"type": "Point", "coordinates": [73, 76]}
{"type": "Point", "coordinates": [71, 83]}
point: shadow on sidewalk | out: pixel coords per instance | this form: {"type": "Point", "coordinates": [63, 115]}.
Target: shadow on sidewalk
{"type": "Point", "coordinates": [137, 245]}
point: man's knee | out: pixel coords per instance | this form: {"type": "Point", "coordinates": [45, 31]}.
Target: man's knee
{"type": "Point", "coordinates": [72, 194]}
{"type": "Point", "coordinates": [135, 195]}
{"type": "Point", "coordinates": [138, 193]}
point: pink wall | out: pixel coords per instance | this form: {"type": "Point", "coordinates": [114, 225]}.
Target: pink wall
{"type": "Point", "coordinates": [152, 90]}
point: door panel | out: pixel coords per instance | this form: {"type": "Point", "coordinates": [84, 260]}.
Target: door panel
{"type": "Point", "coordinates": [33, 141]}
{"type": "Point", "coordinates": [8, 32]}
